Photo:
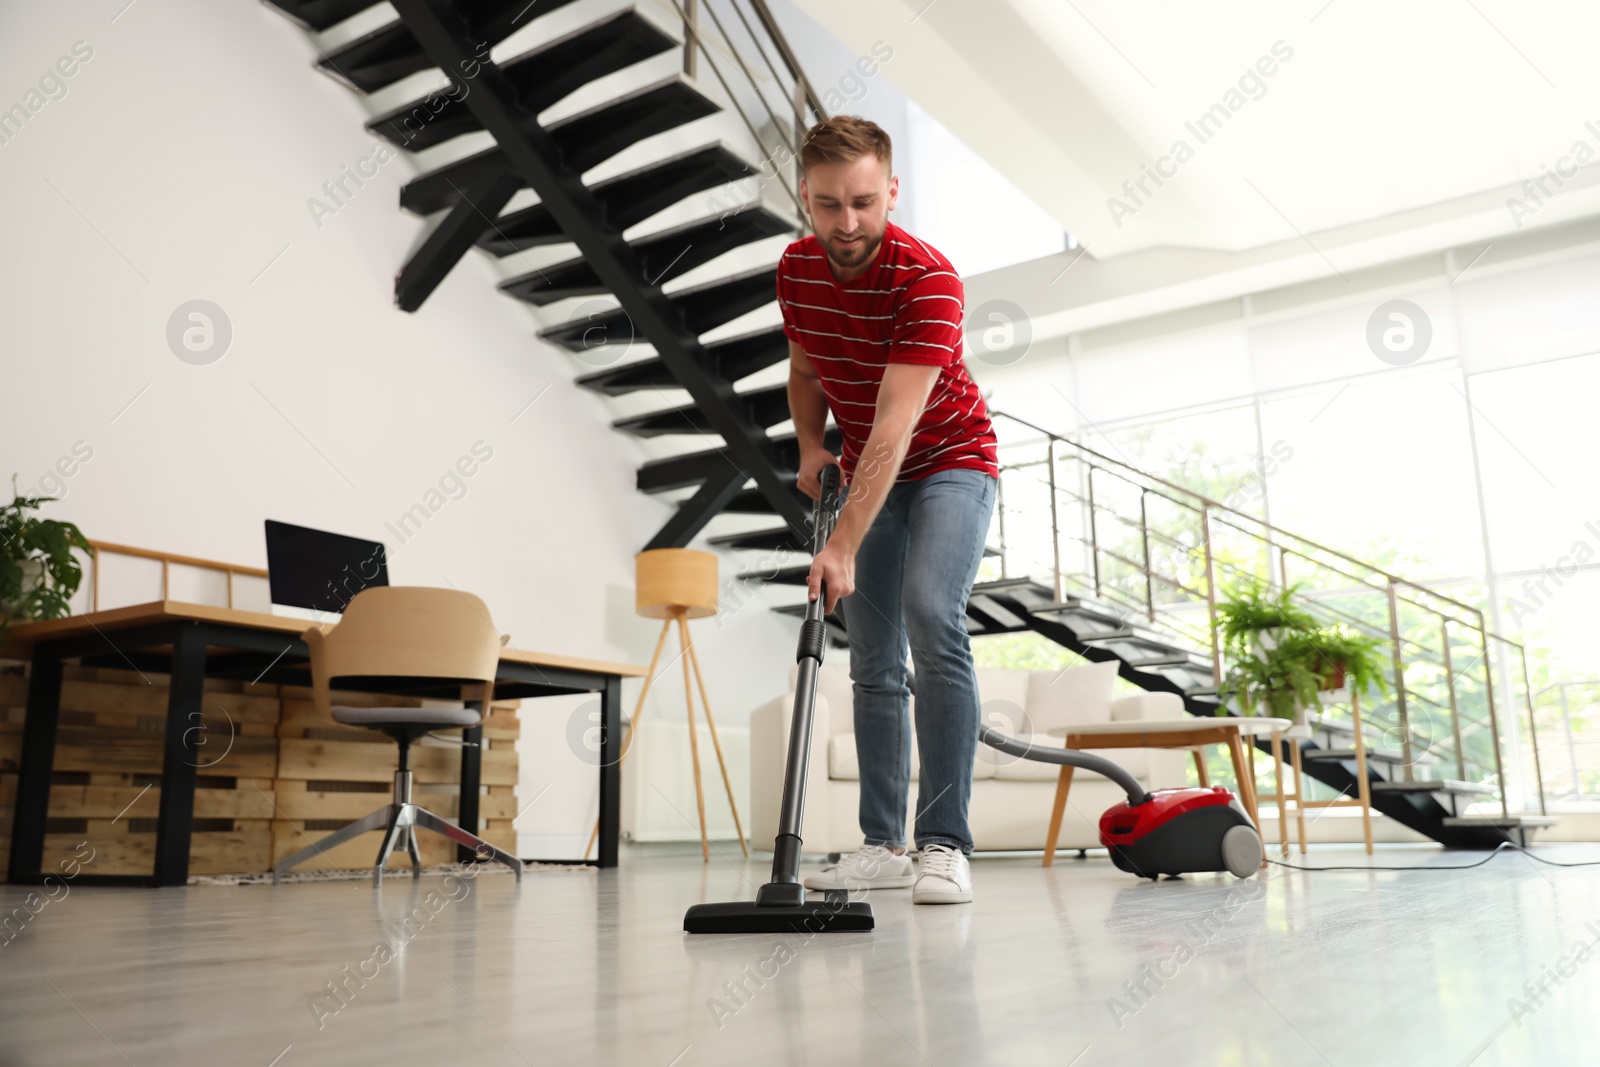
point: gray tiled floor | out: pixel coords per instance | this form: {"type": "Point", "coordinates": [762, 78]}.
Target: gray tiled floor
{"type": "Point", "coordinates": [1356, 968]}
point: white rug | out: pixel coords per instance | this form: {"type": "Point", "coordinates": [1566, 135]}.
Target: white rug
{"type": "Point", "coordinates": [365, 873]}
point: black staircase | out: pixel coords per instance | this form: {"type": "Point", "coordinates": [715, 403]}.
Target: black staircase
{"type": "Point", "coordinates": [750, 472]}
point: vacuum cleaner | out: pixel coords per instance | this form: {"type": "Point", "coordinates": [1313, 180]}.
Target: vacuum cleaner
{"type": "Point", "coordinates": [1161, 832]}
{"type": "Point", "coordinates": [781, 905]}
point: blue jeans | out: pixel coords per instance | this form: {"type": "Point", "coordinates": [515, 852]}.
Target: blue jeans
{"type": "Point", "coordinates": [914, 573]}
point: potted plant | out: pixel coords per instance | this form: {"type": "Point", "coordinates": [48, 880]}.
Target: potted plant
{"type": "Point", "coordinates": [1282, 659]}
{"type": "Point", "coordinates": [1336, 656]}
{"type": "Point", "coordinates": [38, 572]}
{"type": "Point", "coordinates": [1303, 664]}
{"type": "Point", "coordinates": [1254, 617]}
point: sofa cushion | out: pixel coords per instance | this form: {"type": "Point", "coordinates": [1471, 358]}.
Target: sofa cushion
{"type": "Point", "coordinates": [1001, 683]}
{"type": "Point", "coordinates": [1147, 706]}
{"type": "Point", "coordinates": [844, 766]}
{"type": "Point", "coordinates": [1015, 769]}
{"type": "Point", "coordinates": [1076, 695]}
{"type": "Point", "coordinates": [842, 763]}
{"type": "Point", "coordinates": [1006, 715]}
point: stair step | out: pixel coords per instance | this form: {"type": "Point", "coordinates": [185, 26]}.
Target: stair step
{"type": "Point", "coordinates": [795, 574]}
{"type": "Point", "coordinates": [771, 539]}
{"type": "Point", "coordinates": [732, 359]}
{"type": "Point", "coordinates": [1347, 730]}
{"type": "Point", "coordinates": [1135, 641]}
{"type": "Point", "coordinates": [1096, 632]}
{"type": "Point", "coordinates": [586, 139]}
{"type": "Point", "coordinates": [389, 53]}
{"type": "Point", "coordinates": [318, 15]}
{"type": "Point", "coordinates": [751, 501]}
{"type": "Point", "coordinates": [779, 539]}
{"type": "Point", "coordinates": [995, 614]}
{"type": "Point", "coordinates": [1108, 618]}
{"type": "Point", "coordinates": [540, 77]}
{"type": "Point", "coordinates": [663, 256]}
{"type": "Point", "coordinates": [1334, 726]}
{"type": "Point", "coordinates": [762, 407]}
{"type": "Point", "coordinates": [691, 468]}
{"type": "Point", "coordinates": [1192, 681]}
{"type": "Point", "coordinates": [700, 308]}
{"type": "Point", "coordinates": [1176, 657]}
{"type": "Point", "coordinates": [1025, 590]}
{"type": "Point", "coordinates": [626, 199]}
{"type": "Point", "coordinates": [978, 628]}
{"type": "Point", "coordinates": [1379, 755]}
{"type": "Point", "coordinates": [1441, 785]}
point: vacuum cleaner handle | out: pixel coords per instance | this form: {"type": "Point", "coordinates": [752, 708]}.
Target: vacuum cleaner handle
{"type": "Point", "coordinates": [784, 889]}
{"type": "Point", "coordinates": [824, 514]}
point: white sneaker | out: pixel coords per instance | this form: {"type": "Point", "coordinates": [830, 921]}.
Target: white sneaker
{"type": "Point", "coordinates": [943, 877]}
{"type": "Point", "coordinates": [868, 867]}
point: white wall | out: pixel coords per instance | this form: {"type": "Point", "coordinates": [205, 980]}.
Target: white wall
{"type": "Point", "coordinates": [177, 166]}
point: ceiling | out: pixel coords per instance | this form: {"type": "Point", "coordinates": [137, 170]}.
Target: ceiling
{"type": "Point", "coordinates": [1328, 115]}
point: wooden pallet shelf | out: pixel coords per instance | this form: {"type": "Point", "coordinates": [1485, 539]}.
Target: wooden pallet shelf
{"type": "Point", "coordinates": [274, 776]}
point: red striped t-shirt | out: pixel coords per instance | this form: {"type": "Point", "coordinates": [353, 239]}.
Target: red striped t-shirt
{"type": "Point", "coordinates": [906, 308]}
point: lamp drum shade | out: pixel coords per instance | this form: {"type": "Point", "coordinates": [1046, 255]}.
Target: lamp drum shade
{"type": "Point", "coordinates": [668, 578]}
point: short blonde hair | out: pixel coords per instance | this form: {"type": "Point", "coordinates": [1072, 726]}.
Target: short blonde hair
{"type": "Point", "coordinates": [844, 139]}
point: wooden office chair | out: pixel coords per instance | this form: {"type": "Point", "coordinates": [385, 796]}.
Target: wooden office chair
{"type": "Point", "coordinates": [406, 632]}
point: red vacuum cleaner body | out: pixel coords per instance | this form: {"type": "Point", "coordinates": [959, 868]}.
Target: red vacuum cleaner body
{"type": "Point", "coordinates": [1178, 831]}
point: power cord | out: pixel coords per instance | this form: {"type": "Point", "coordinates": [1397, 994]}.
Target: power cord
{"type": "Point", "coordinates": [1456, 867]}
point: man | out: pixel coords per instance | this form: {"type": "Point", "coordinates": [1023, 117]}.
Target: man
{"type": "Point", "coordinates": [874, 321]}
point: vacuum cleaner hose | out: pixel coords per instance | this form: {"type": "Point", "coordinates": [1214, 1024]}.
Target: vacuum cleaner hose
{"type": "Point", "coordinates": [1069, 757]}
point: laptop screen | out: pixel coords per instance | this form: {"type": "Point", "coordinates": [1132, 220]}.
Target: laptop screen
{"type": "Point", "coordinates": [320, 571]}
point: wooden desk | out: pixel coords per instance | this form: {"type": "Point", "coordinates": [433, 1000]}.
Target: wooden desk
{"type": "Point", "coordinates": [191, 642]}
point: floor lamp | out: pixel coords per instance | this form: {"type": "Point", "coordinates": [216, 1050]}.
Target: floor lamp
{"type": "Point", "coordinates": [676, 585]}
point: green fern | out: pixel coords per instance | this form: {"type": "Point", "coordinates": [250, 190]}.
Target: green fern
{"type": "Point", "coordinates": [1252, 607]}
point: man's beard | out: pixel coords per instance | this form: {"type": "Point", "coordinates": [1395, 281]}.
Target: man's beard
{"type": "Point", "coordinates": [864, 252]}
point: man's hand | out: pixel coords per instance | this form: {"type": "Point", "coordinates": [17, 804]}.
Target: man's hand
{"type": "Point", "coordinates": [834, 566]}
{"type": "Point", "coordinates": [812, 460]}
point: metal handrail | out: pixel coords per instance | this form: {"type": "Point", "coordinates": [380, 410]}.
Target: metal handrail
{"type": "Point", "coordinates": [1566, 725]}
{"type": "Point", "coordinates": [1142, 525]}
{"type": "Point", "coordinates": [1215, 504]}
{"type": "Point", "coordinates": [1397, 592]}
{"type": "Point", "coordinates": [803, 98]}
{"type": "Point", "coordinates": [790, 61]}
{"type": "Point", "coordinates": [1094, 509]}
{"type": "Point", "coordinates": [692, 34]}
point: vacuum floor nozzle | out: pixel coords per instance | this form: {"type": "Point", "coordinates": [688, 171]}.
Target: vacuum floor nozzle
{"type": "Point", "coordinates": [834, 913]}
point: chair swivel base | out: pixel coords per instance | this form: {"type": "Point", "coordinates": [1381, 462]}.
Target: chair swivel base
{"type": "Point", "coordinates": [400, 820]}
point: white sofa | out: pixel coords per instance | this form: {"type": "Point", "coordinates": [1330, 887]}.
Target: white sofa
{"type": "Point", "coordinates": [1011, 798]}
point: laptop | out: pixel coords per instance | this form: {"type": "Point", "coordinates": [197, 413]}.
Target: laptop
{"type": "Point", "coordinates": [314, 573]}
